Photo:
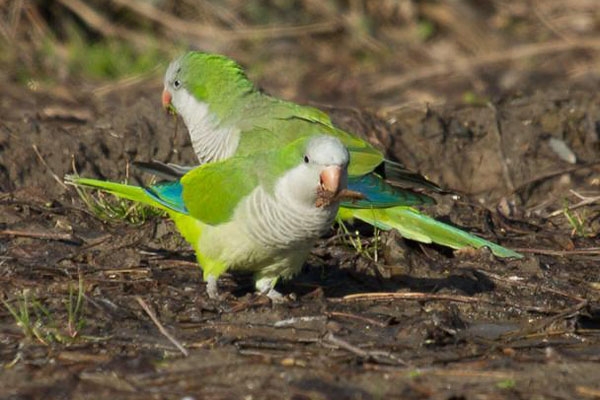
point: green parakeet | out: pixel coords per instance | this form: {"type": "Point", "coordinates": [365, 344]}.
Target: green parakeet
{"type": "Point", "coordinates": [260, 212]}
{"type": "Point", "coordinates": [227, 116]}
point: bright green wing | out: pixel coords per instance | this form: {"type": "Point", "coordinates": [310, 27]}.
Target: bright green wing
{"type": "Point", "coordinates": [211, 192]}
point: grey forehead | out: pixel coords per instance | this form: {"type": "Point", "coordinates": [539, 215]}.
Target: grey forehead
{"type": "Point", "coordinates": [327, 150]}
{"type": "Point", "coordinates": [173, 69]}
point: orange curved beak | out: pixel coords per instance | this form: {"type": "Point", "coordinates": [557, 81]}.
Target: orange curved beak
{"type": "Point", "coordinates": [166, 101]}
{"type": "Point", "coordinates": [331, 179]}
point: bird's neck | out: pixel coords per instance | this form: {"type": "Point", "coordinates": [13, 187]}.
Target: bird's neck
{"type": "Point", "coordinates": [212, 137]}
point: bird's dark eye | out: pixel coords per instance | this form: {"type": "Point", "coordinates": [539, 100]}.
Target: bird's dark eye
{"type": "Point", "coordinates": [176, 83]}
{"type": "Point", "coordinates": [306, 160]}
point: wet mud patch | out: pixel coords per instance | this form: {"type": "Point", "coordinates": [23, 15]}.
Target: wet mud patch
{"type": "Point", "coordinates": [101, 307]}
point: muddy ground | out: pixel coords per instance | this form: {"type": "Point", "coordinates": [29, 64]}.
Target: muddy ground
{"type": "Point", "coordinates": [395, 320]}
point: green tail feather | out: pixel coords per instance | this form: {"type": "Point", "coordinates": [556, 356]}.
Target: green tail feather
{"type": "Point", "coordinates": [129, 192]}
{"type": "Point", "coordinates": [189, 228]}
{"type": "Point", "coordinates": [413, 225]}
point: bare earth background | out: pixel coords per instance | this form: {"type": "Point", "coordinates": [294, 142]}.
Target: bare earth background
{"type": "Point", "coordinates": [496, 100]}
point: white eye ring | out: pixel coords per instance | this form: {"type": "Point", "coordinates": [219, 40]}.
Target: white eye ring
{"type": "Point", "coordinates": [176, 83]}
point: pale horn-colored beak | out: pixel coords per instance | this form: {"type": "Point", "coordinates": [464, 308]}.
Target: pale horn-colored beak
{"type": "Point", "coordinates": [331, 179]}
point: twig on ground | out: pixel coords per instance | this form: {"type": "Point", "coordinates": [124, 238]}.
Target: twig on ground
{"type": "Point", "coordinates": [366, 320]}
{"type": "Point", "coordinates": [410, 296]}
{"type": "Point", "coordinates": [169, 264]}
{"type": "Point", "coordinates": [543, 323]}
{"type": "Point", "coordinates": [536, 287]}
{"type": "Point", "coordinates": [383, 357]}
{"type": "Point", "coordinates": [437, 297]}
{"type": "Point", "coordinates": [554, 174]}
{"type": "Point", "coordinates": [41, 235]}
{"type": "Point", "coordinates": [562, 253]}
{"type": "Point", "coordinates": [160, 327]}
{"type": "Point", "coordinates": [584, 202]}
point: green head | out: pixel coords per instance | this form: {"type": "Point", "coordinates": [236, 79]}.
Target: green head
{"type": "Point", "coordinates": [205, 78]}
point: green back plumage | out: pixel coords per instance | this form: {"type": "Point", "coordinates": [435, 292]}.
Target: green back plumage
{"type": "Point", "coordinates": [269, 121]}
{"type": "Point", "coordinates": [265, 122]}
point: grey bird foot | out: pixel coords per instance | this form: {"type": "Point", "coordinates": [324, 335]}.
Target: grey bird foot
{"type": "Point", "coordinates": [275, 296]}
{"type": "Point", "coordinates": [211, 287]}
{"type": "Point", "coordinates": [266, 286]}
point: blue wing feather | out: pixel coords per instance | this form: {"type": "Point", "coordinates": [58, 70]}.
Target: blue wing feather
{"type": "Point", "coordinates": [169, 194]}
{"type": "Point", "coordinates": [380, 194]}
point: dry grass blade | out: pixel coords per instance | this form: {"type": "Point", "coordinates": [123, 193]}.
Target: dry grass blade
{"type": "Point", "coordinates": [466, 64]}
{"type": "Point", "coordinates": [39, 156]}
{"type": "Point", "coordinates": [471, 373]}
{"type": "Point", "coordinates": [469, 29]}
{"type": "Point", "coordinates": [128, 82]}
{"type": "Point", "coordinates": [9, 29]}
{"type": "Point", "coordinates": [193, 29]}
{"type": "Point", "coordinates": [91, 17]}
{"type": "Point", "coordinates": [499, 136]}
{"type": "Point", "coordinates": [588, 392]}
{"type": "Point", "coordinates": [100, 24]}
{"type": "Point", "coordinates": [539, 13]}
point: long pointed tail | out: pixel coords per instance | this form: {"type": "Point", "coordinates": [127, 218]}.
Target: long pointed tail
{"type": "Point", "coordinates": [189, 227]}
{"type": "Point", "coordinates": [411, 224]}
{"type": "Point", "coordinates": [135, 193]}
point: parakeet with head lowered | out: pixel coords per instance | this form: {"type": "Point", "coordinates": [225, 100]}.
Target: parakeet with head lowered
{"type": "Point", "coordinates": [226, 115]}
{"type": "Point", "coordinates": [261, 212]}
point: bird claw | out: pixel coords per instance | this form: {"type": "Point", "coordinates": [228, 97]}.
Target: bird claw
{"type": "Point", "coordinates": [275, 296]}
{"type": "Point", "coordinates": [264, 286]}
